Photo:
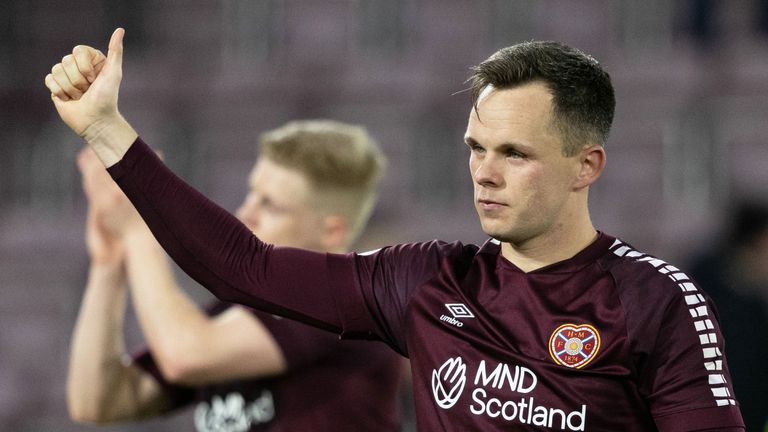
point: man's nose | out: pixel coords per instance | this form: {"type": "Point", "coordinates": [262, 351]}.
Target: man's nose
{"type": "Point", "coordinates": [249, 210]}
{"type": "Point", "coordinates": [487, 172]}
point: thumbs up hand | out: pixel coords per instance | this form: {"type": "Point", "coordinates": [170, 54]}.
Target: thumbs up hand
{"type": "Point", "coordinates": [84, 88]}
{"type": "Point", "coordinates": [85, 85]}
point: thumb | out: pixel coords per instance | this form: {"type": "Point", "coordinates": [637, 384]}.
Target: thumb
{"type": "Point", "coordinates": [115, 53]}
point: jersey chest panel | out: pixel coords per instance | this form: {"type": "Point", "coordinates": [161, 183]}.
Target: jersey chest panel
{"type": "Point", "coordinates": [494, 349]}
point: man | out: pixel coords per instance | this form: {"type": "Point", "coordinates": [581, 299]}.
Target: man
{"type": "Point", "coordinates": [551, 325]}
{"type": "Point", "coordinates": [313, 186]}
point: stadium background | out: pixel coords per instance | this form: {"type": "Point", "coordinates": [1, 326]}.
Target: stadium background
{"type": "Point", "coordinates": [203, 78]}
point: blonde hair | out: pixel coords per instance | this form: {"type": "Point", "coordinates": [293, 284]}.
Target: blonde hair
{"type": "Point", "coordinates": [342, 163]}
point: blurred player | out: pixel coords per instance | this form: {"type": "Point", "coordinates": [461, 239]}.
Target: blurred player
{"type": "Point", "coordinates": [313, 186]}
{"type": "Point", "coordinates": [550, 325]}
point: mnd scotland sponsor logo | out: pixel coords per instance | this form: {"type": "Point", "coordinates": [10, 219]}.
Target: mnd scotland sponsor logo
{"type": "Point", "coordinates": [503, 392]}
{"type": "Point", "coordinates": [448, 382]}
{"type": "Point", "coordinates": [232, 413]}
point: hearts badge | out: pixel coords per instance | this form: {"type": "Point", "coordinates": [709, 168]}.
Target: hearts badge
{"type": "Point", "coordinates": [574, 345]}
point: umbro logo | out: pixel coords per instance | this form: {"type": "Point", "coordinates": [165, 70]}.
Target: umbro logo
{"type": "Point", "coordinates": [459, 311]}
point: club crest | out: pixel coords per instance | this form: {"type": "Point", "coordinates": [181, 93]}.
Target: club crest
{"type": "Point", "coordinates": [574, 346]}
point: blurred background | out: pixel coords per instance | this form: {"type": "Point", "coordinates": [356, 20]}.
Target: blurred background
{"type": "Point", "coordinates": [203, 78]}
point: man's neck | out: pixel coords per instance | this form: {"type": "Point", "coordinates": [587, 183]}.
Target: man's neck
{"type": "Point", "coordinates": [542, 251]}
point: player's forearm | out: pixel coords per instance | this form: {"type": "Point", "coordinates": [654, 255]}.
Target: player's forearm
{"type": "Point", "coordinates": [102, 387]}
{"type": "Point", "coordinates": [218, 251]}
{"type": "Point", "coordinates": [97, 344]}
{"type": "Point", "coordinates": [190, 347]}
{"type": "Point", "coordinates": [173, 325]}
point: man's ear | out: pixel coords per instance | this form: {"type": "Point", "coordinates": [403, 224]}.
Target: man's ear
{"type": "Point", "coordinates": [591, 164]}
{"type": "Point", "coordinates": [336, 230]}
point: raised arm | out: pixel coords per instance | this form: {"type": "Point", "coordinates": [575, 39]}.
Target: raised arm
{"type": "Point", "coordinates": [188, 346]}
{"type": "Point", "coordinates": [207, 242]}
{"type": "Point", "coordinates": [102, 386]}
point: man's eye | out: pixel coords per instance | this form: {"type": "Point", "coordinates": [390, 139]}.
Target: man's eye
{"type": "Point", "coordinates": [514, 154]}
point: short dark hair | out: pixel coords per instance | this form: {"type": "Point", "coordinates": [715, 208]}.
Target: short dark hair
{"type": "Point", "coordinates": [583, 99]}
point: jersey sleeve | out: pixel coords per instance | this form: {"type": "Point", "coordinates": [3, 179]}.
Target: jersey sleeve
{"type": "Point", "coordinates": [300, 344]}
{"type": "Point", "coordinates": [352, 295]}
{"type": "Point", "coordinates": [178, 396]}
{"type": "Point", "coordinates": [685, 377]}
{"type": "Point", "coordinates": [219, 252]}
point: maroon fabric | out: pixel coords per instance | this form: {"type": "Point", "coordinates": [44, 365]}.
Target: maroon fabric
{"type": "Point", "coordinates": [487, 341]}
{"type": "Point", "coordinates": [330, 386]}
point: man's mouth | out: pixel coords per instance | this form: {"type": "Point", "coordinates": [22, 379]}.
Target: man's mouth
{"type": "Point", "coordinates": [487, 204]}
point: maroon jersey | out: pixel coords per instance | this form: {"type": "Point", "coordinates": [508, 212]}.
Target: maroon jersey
{"type": "Point", "coordinates": [611, 339]}
{"type": "Point", "coordinates": [328, 386]}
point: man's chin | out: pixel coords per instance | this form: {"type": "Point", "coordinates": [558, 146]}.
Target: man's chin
{"type": "Point", "coordinates": [495, 233]}
{"type": "Point", "coordinates": [502, 234]}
